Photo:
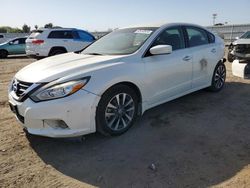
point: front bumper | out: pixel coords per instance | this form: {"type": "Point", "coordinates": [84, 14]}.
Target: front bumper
{"type": "Point", "coordinates": [77, 111]}
{"type": "Point", "coordinates": [241, 68]}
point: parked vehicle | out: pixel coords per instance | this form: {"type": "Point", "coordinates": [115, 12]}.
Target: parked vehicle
{"type": "Point", "coordinates": [13, 47]}
{"type": "Point", "coordinates": [49, 42]}
{"type": "Point", "coordinates": [240, 48]}
{"type": "Point", "coordinates": [115, 79]}
{"type": "Point", "coordinates": [240, 53]}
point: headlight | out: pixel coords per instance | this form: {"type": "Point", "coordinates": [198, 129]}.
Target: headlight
{"type": "Point", "coordinates": [59, 90]}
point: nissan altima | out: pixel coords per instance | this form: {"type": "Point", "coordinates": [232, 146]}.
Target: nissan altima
{"type": "Point", "coordinates": [116, 79]}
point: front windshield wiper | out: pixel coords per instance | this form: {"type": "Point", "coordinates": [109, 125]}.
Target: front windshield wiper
{"type": "Point", "coordinates": [93, 54]}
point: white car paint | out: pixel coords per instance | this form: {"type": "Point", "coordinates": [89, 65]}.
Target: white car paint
{"type": "Point", "coordinates": [239, 68]}
{"type": "Point", "coordinates": [160, 78]}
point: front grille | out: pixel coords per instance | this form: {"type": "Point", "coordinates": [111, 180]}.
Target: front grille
{"type": "Point", "coordinates": [242, 48]}
{"type": "Point", "coordinates": [19, 87]}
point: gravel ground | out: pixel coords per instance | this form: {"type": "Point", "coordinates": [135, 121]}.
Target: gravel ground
{"type": "Point", "coordinates": [200, 140]}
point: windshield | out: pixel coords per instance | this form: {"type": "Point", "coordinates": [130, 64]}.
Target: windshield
{"type": "Point", "coordinates": [35, 33]}
{"type": "Point", "coordinates": [120, 42]}
{"type": "Point", "coordinates": [246, 35]}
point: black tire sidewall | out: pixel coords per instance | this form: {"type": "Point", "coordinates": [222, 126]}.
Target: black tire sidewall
{"type": "Point", "coordinates": [3, 54]}
{"type": "Point", "coordinates": [213, 88]}
{"type": "Point", "coordinates": [57, 52]}
{"type": "Point", "coordinates": [100, 112]}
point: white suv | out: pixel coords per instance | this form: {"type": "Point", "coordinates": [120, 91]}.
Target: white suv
{"type": "Point", "coordinates": [49, 42]}
{"type": "Point", "coordinates": [115, 79]}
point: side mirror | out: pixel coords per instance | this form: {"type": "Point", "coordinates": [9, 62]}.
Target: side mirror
{"type": "Point", "coordinates": [161, 49]}
{"type": "Point", "coordinates": [237, 38]}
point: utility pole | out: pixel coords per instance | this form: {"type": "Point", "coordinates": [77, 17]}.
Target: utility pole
{"type": "Point", "coordinates": [214, 17]}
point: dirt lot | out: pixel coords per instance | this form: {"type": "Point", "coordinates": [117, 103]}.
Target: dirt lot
{"type": "Point", "coordinates": [199, 140]}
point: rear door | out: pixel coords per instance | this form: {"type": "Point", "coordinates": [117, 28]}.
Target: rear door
{"type": "Point", "coordinates": [204, 55]}
{"type": "Point", "coordinates": [62, 38]}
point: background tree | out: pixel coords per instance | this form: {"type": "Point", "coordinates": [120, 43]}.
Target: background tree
{"type": "Point", "coordinates": [7, 29]}
{"type": "Point", "coordinates": [49, 25]}
{"type": "Point", "coordinates": [36, 27]}
{"type": "Point", "coordinates": [26, 28]}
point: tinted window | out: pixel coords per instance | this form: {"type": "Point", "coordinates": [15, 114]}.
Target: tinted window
{"type": "Point", "coordinates": [16, 41]}
{"type": "Point", "coordinates": [85, 36]}
{"type": "Point", "coordinates": [61, 35]}
{"type": "Point", "coordinates": [196, 36]}
{"type": "Point", "coordinates": [171, 36]}
{"type": "Point", "coordinates": [246, 35]}
{"type": "Point", "coordinates": [211, 37]}
{"type": "Point", "coordinates": [22, 41]}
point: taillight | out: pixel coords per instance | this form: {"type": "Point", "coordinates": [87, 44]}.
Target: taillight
{"type": "Point", "coordinates": [37, 41]}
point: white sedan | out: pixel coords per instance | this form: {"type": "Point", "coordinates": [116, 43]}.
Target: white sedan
{"type": "Point", "coordinates": [117, 78]}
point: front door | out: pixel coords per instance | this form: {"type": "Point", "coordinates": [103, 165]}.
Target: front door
{"type": "Point", "coordinates": [168, 75]}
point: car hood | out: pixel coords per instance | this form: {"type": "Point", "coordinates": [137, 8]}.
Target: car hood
{"type": "Point", "coordinates": [59, 66]}
{"type": "Point", "coordinates": [3, 44]}
{"type": "Point", "coordinates": [241, 41]}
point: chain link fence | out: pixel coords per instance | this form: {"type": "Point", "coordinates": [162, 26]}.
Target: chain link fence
{"type": "Point", "coordinates": [230, 32]}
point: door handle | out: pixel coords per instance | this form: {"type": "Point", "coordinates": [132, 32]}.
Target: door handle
{"type": "Point", "coordinates": [187, 58]}
{"type": "Point", "coordinates": [213, 50]}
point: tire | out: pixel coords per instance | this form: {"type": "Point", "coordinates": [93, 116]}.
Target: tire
{"type": "Point", "coordinates": [57, 52]}
{"type": "Point", "coordinates": [230, 57]}
{"type": "Point", "coordinates": [219, 77]}
{"type": "Point", "coordinates": [3, 54]}
{"type": "Point", "coordinates": [113, 118]}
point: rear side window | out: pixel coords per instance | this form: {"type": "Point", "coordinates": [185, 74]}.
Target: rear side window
{"type": "Point", "coordinates": [85, 36]}
{"type": "Point", "coordinates": [196, 36]}
{"type": "Point", "coordinates": [60, 35]}
{"type": "Point", "coordinates": [171, 36]}
{"type": "Point", "coordinates": [35, 34]}
{"type": "Point", "coordinates": [211, 37]}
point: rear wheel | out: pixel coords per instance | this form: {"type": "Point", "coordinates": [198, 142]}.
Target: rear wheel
{"type": "Point", "coordinates": [219, 77]}
{"type": "Point", "coordinates": [117, 110]}
{"type": "Point", "coordinates": [3, 54]}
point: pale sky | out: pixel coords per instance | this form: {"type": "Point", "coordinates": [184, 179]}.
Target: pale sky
{"type": "Point", "coordinates": [100, 15]}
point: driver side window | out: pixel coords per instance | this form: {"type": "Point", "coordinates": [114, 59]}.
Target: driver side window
{"type": "Point", "coordinates": [171, 36]}
{"type": "Point", "coordinates": [15, 42]}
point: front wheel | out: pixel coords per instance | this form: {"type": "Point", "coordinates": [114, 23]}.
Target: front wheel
{"type": "Point", "coordinates": [117, 110]}
{"type": "Point", "coordinates": [3, 54]}
{"type": "Point", "coordinates": [219, 77]}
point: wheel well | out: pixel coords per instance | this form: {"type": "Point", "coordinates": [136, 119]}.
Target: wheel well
{"type": "Point", "coordinates": [136, 89]}
{"type": "Point", "coordinates": [4, 50]}
{"type": "Point", "coordinates": [57, 48]}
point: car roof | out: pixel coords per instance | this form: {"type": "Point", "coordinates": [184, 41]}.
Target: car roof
{"type": "Point", "coordinates": [164, 24]}
{"type": "Point", "coordinates": [61, 29]}
{"type": "Point", "coordinates": [43, 29]}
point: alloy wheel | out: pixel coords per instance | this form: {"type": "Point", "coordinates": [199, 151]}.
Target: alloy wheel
{"type": "Point", "coordinates": [120, 111]}
{"type": "Point", "coordinates": [220, 76]}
